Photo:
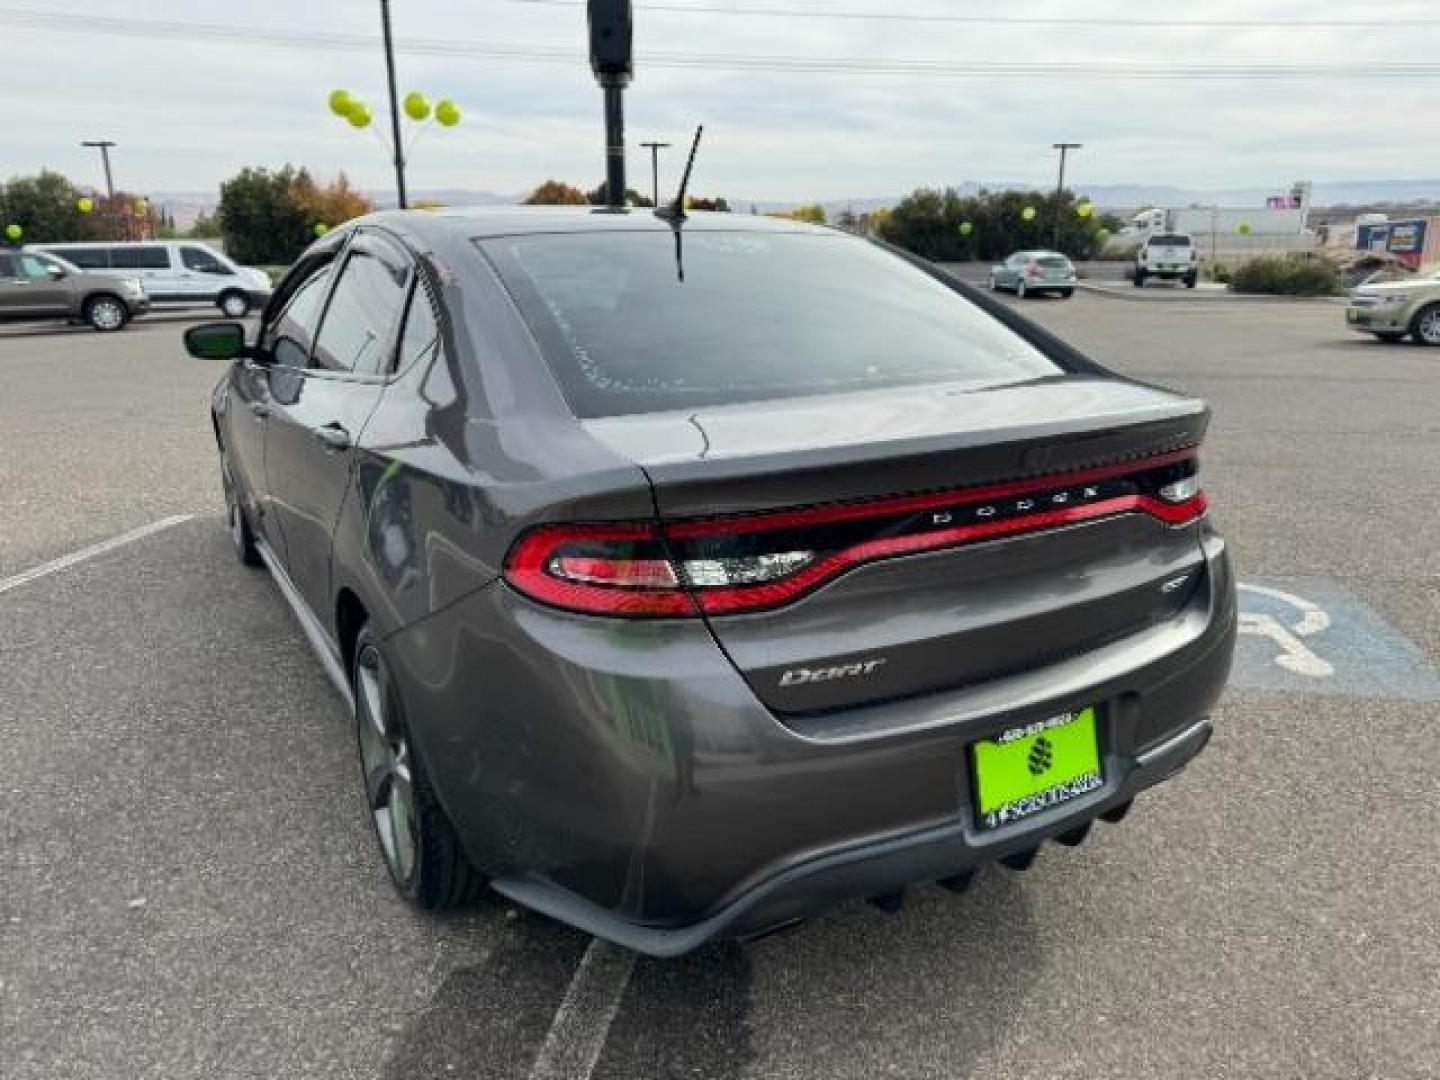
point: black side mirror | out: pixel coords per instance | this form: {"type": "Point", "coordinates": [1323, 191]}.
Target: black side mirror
{"type": "Point", "coordinates": [217, 341]}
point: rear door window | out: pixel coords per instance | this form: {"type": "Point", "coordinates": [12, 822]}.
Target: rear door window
{"type": "Point", "coordinates": [364, 311]}
{"type": "Point", "coordinates": [140, 258]}
{"type": "Point", "coordinates": [638, 322]}
{"type": "Point", "coordinates": [201, 261]}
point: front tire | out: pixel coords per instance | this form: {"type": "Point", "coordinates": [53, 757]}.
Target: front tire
{"type": "Point", "coordinates": [1390, 337]}
{"type": "Point", "coordinates": [421, 851]}
{"type": "Point", "coordinates": [1139, 277]}
{"type": "Point", "coordinates": [106, 313]}
{"type": "Point", "coordinates": [242, 539]}
{"type": "Point", "coordinates": [1020, 292]}
{"type": "Point", "coordinates": [1425, 327]}
{"type": "Point", "coordinates": [1067, 293]}
{"type": "Point", "coordinates": [234, 305]}
{"type": "Point", "coordinates": [1191, 280]}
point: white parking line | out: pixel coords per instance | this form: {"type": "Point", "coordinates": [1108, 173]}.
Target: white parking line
{"type": "Point", "coordinates": [67, 561]}
{"type": "Point", "coordinates": [582, 1023]}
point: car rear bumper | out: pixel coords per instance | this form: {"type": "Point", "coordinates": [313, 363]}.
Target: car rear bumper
{"type": "Point", "coordinates": [622, 776]}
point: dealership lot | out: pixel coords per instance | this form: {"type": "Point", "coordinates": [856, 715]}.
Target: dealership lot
{"type": "Point", "coordinates": [190, 888]}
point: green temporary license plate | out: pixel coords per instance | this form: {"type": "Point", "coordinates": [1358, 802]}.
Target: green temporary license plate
{"type": "Point", "coordinates": [1028, 769]}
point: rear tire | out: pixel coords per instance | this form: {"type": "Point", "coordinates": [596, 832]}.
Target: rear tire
{"type": "Point", "coordinates": [1191, 280]}
{"type": "Point", "coordinates": [1067, 293]}
{"type": "Point", "coordinates": [1390, 337]}
{"type": "Point", "coordinates": [417, 842]}
{"type": "Point", "coordinates": [106, 313]}
{"type": "Point", "coordinates": [1020, 292]}
{"type": "Point", "coordinates": [1425, 327]}
{"type": "Point", "coordinates": [1139, 277]}
{"type": "Point", "coordinates": [234, 305]}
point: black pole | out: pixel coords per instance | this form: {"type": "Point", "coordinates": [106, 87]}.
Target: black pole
{"type": "Point", "coordinates": [614, 144]}
{"type": "Point", "coordinates": [394, 104]}
{"type": "Point", "coordinates": [1064, 148]}
{"type": "Point", "coordinates": [655, 148]}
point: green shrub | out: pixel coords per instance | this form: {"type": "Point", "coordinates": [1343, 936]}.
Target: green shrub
{"type": "Point", "coordinates": [1279, 275]}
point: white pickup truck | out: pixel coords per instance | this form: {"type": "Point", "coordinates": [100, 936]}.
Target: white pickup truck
{"type": "Point", "coordinates": [1168, 256]}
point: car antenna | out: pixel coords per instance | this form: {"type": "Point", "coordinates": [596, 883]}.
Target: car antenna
{"type": "Point", "coordinates": [675, 212]}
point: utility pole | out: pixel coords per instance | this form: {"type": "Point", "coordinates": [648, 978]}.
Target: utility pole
{"type": "Point", "coordinates": [394, 105]}
{"type": "Point", "coordinates": [612, 32]}
{"type": "Point", "coordinates": [104, 145]}
{"type": "Point", "coordinates": [1064, 148]}
{"type": "Point", "coordinates": [655, 148]}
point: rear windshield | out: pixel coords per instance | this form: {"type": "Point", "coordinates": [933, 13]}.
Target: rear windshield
{"type": "Point", "coordinates": [1170, 240]}
{"type": "Point", "coordinates": [630, 324]}
{"type": "Point", "coordinates": [1054, 262]}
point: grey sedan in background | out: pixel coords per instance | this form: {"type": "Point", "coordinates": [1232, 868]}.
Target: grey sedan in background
{"type": "Point", "coordinates": [1029, 272]}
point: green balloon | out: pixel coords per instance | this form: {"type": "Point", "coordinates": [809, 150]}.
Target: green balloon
{"type": "Point", "coordinates": [417, 107]}
{"type": "Point", "coordinates": [359, 115]}
{"type": "Point", "coordinates": [340, 102]}
{"type": "Point", "coordinates": [1243, 228]}
{"type": "Point", "coordinates": [320, 229]}
{"type": "Point", "coordinates": [447, 113]}
{"type": "Point", "coordinates": [1028, 214]}
{"type": "Point", "coordinates": [966, 228]}
{"type": "Point", "coordinates": [14, 233]}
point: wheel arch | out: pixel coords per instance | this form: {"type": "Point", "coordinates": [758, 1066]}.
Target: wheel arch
{"type": "Point", "coordinates": [350, 615]}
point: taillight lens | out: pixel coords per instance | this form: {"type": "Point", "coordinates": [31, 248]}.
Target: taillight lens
{"type": "Point", "coordinates": [741, 563]}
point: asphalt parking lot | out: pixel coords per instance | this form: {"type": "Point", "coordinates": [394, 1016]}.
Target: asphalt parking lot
{"type": "Point", "coordinates": [190, 888]}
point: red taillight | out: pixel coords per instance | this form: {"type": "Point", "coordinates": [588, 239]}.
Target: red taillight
{"type": "Point", "coordinates": [751, 562]}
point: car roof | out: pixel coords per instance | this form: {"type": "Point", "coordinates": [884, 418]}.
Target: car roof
{"type": "Point", "coordinates": [1035, 253]}
{"type": "Point", "coordinates": [473, 223]}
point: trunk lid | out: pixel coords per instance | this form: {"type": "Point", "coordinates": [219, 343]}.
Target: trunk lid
{"type": "Point", "coordinates": [968, 533]}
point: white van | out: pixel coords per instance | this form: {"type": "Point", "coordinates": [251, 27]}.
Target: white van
{"type": "Point", "coordinates": [174, 272]}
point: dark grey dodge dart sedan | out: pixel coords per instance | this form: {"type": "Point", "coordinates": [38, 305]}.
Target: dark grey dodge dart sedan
{"type": "Point", "coordinates": [690, 575]}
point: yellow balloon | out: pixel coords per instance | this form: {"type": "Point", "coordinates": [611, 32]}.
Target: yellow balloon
{"type": "Point", "coordinates": [1085, 209]}
{"type": "Point", "coordinates": [1243, 228]}
{"type": "Point", "coordinates": [966, 228]}
{"type": "Point", "coordinates": [13, 233]}
{"type": "Point", "coordinates": [416, 106]}
{"type": "Point", "coordinates": [85, 204]}
{"type": "Point", "coordinates": [447, 113]}
{"type": "Point", "coordinates": [1028, 214]}
{"type": "Point", "coordinates": [141, 206]}
{"type": "Point", "coordinates": [340, 102]}
{"type": "Point", "coordinates": [320, 229]}
{"type": "Point", "coordinates": [359, 115]}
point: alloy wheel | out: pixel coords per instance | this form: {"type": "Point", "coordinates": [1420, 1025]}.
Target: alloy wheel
{"type": "Point", "coordinates": [106, 315]}
{"type": "Point", "coordinates": [234, 306]}
{"type": "Point", "coordinates": [386, 760]}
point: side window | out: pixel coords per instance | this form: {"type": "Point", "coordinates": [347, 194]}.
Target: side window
{"type": "Point", "coordinates": [33, 268]}
{"type": "Point", "coordinates": [292, 332]}
{"type": "Point", "coordinates": [422, 333]}
{"type": "Point", "coordinates": [362, 314]}
{"type": "Point", "coordinates": [140, 258]}
{"type": "Point", "coordinates": [200, 260]}
{"type": "Point", "coordinates": [88, 258]}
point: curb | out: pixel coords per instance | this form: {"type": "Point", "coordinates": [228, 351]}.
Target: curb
{"type": "Point", "coordinates": [1141, 296]}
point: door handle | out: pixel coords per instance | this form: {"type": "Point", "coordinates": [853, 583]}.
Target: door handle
{"type": "Point", "coordinates": [259, 409]}
{"type": "Point", "coordinates": [333, 436]}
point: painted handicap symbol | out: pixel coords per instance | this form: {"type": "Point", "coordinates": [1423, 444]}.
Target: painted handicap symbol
{"type": "Point", "coordinates": [1312, 635]}
{"type": "Point", "coordinates": [1306, 620]}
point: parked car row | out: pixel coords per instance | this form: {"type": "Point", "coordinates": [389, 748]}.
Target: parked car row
{"type": "Point", "coordinates": [106, 285]}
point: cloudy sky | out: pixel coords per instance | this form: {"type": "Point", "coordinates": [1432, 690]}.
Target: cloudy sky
{"type": "Point", "coordinates": [194, 89]}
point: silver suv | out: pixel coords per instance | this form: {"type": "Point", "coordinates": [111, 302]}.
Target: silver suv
{"type": "Point", "coordinates": [38, 286]}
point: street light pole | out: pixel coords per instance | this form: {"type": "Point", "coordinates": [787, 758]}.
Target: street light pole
{"type": "Point", "coordinates": [104, 145]}
{"type": "Point", "coordinates": [655, 148]}
{"type": "Point", "coordinates": [394, 104]}
{"type": "Point", "coordinates": [1064, 148]}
